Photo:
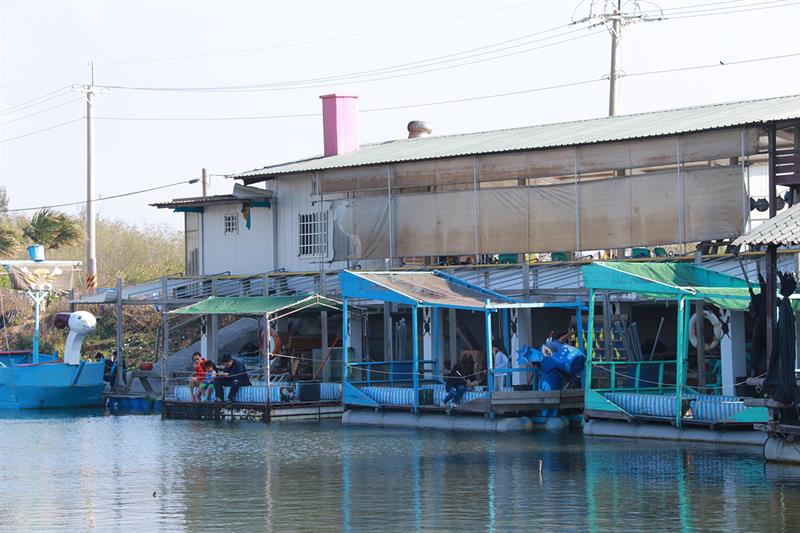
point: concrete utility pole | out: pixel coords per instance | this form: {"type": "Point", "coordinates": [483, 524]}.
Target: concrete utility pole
{"type": "Point", "coordinates": [91, 254]}
{"type": "Point", "coordinates": [205, 183]}
{"type": "Point", "coordinates": [615, 15]}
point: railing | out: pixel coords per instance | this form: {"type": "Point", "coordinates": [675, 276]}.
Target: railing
{"type": "Point", "coordinates": [633, 376]}
{"type": "Point", "coordinates": [392, 372]}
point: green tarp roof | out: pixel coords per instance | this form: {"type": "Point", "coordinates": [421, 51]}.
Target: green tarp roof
{"type": "Point", "coordinates": [257, 305]}
{"type": "Point", "coordinates": [669, 280]}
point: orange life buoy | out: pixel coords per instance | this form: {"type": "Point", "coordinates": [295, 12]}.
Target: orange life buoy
{"type": "Point", "coordinates": [274, 342]}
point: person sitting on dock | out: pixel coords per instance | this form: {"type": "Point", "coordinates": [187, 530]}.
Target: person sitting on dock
{"type": "Point", "coordinates": [205, 388]}
{"type": "Point", "coordinates": [198, 374]}
{"type": "Point", "coordinates": [455, 383]}
{"type": "Point", "coordinates": [234, 376]}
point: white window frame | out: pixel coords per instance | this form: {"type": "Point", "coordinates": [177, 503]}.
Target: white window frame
{"type": "Point", "coordinates": [230, 223]}
{"type": "Point", "coordinates": [312, 234]}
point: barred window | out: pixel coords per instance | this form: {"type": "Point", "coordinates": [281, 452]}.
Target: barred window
{"type": "Point", "coordinates": [313, 234]}
{"type": "Point", "coordinates": [231, 224]}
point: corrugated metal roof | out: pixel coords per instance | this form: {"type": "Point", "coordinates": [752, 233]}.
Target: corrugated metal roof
{"type": "Point", "coordinates": [198, 201]}
{"type": "Point", "coordinates": [783, 229]}
{"type": "Point", "coordinates": [621, 127]}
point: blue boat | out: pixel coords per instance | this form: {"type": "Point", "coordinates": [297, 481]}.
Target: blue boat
{"type": "Point", "coordinates": [32, 380]}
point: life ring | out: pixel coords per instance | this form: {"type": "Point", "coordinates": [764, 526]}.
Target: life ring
{"type": "Point", "coordinates": [274, 342]}
{"type": "Point", "coordinates": [715, 324]}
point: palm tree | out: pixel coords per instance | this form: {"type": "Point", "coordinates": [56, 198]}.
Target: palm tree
{"type": "Point", "coordinates": [52, 229]}
{"type": "Point", "coordinates": [8, 241]}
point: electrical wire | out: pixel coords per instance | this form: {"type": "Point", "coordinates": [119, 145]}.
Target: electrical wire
{"type": "Point", "coordinates": [34, 101]}
{"type": "Point", "coordinates": [264, 88]}
{"type": "Point", "coordinates": [43, 76]}
{"type": "Point", "coordinates": [104, 198]}
{"type": "Point", "coordinates": [42, 111]}
{"type": "Point", "coordinates": [62, 124]}
{"type": "Point", "coordinates": [456, 100]}
{"type": "Point", "coordinates": [314, 41]}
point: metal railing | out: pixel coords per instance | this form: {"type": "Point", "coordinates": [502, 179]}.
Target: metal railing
{"type": "Point", "coordinates": [392, 372]}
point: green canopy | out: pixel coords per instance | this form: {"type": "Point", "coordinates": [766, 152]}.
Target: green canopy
{"type": "Point", "coordinates": [669, 280]}
{"type": "Point", "coordinates": [257, 305]}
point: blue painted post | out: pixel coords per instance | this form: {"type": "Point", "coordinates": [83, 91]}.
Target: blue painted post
{"type": "Point", "coordinates": [415, 352]}
{"type": "Point", "coordinates": [590, 346]}
{"type": "Point", "coordinates": [37, 298]}
{"type": "Point", "coordinates": [345, 344]}
{"type": "Point", "coordinates": [489, 358]}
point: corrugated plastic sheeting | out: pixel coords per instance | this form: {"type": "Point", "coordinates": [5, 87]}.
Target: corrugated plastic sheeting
{"type": "Point", "coordinates": [545, 163]}
{"type": "Point", "coordinates": [600, 130]}
{"type": "Point", "coordinates": [255, 305]}
{"type": "Point", "coordinates": [782, 230]}
{"type": "Point", "coordinates": [643, 209]}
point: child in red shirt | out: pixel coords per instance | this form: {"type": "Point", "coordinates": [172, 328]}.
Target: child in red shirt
{"type": "Point", "coordinates": [198, 376]}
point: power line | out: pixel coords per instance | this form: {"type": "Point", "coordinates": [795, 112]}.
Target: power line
{"type": "Point", "coordinates": [43, 76]}
{"type": "Point", "coordinates": [42, 111]}
{"type": "Point", "coordinates": [34, 101]}
{"type": "Point", "coordinates": [744, 9]}
{"type": "Point", "coordinates": [122, 195]}
{"type": "Point", "coordinates": [314, 41]}
{"type": "Point", "coordinates": [41, 130]}
{"type": "Point", "coordinates": [458, 100]}
{"type": "Point", "coordinates": [289, 86]}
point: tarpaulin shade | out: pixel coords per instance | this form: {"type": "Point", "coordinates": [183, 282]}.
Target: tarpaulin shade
{"type": "Point", "coordinates": [257, 305]}
{"type": "Point", "coordinates": [669, 280]}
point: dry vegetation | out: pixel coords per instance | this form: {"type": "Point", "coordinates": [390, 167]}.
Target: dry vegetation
{"type": "Point", "coordinates": [134, 253]}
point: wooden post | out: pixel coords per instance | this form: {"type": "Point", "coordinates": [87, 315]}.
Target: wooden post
{"type": "Point", "coordinates": [415, 354]}
{"type": "Point", "coordinates": [452, 336]}
{"type": "Point", "coordinates": [772, 254]}
{"type": "Point", "coordinates": [165, 337]}
{"type": "Point", "coordinates": [119, 382]}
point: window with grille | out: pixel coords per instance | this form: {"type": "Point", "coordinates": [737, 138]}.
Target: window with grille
{"type": "Point", "coordinates": [231, 224]}
{"type": "Point", "coordinates": [313, 234]}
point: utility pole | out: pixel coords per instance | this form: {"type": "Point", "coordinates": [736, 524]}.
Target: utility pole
{"type": "Point", "coordinates": [614, 72]}
{"type": "Point", "coordinates": [91, 254]}
{"type": "Point", "coordinates": [205, 183]}
{"type": "Point", "coordinates": [615, 15]}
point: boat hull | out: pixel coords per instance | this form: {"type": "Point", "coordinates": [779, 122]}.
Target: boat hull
{"type": "Point", "coordinates": [50, 385]}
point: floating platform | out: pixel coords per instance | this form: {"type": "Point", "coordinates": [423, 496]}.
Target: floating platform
{"type": "Point", "coordinates": [181, 410]}
{"type": "Point", "coordinates": [456, 422]}
{"type": "Point", "coordinates": [633, 430]}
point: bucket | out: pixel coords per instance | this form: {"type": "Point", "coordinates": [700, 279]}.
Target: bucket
{"type": "Point", "coordinates": [36, 252]}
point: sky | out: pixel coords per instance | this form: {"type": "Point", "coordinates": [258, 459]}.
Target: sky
{"type": "Point", "coordinates": [394, 54]}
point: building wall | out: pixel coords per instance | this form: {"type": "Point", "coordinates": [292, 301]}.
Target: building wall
{"type": "Point", "coordinates": [247, 252]}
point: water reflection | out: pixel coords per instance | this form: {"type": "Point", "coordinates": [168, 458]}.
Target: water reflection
{"type": "Point", "coordinates": [142, 473]}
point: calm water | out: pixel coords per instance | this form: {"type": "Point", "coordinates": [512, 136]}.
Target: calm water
{"type": "Point", "coordinates": [60, 471]}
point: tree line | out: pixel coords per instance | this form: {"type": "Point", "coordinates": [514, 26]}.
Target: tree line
{"type": "Point", "coordinates": [136, 253]}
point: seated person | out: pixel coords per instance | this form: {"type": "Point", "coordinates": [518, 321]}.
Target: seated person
{"type": "Point", "coordinates": [233, 375]}
{"type": "Point", "coordinates": [287, 393]}
{"type": "Point", "coordinates": [198, 374]}
{"type": "Point", "coordinates": [205, 388]}
{"type": "Point", "coordinates": [455, 383]}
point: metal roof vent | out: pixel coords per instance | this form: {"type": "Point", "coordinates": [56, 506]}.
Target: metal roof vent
{"type": "Point", "coordinates": [419, 128]}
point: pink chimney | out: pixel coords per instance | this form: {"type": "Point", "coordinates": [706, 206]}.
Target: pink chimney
{"type": "Point", "coordinates": [339, 123]}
